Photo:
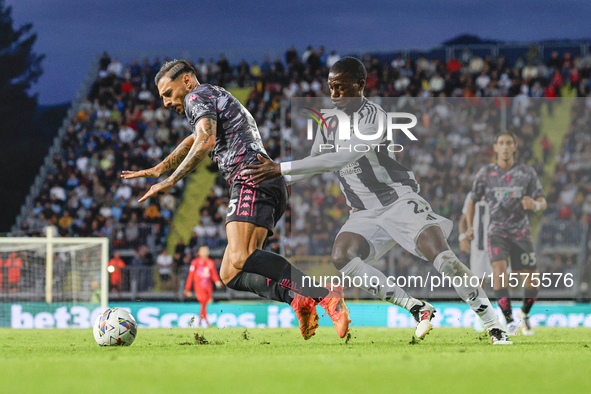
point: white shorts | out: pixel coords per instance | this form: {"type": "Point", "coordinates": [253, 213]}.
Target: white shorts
{"type": "Point", "coordinates": [399, 223]}
{"type": "Point", "coordinates": [480, 263]}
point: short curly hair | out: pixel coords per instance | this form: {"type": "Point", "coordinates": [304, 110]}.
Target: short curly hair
{"type": "Point", "coordinates": [351, 66]}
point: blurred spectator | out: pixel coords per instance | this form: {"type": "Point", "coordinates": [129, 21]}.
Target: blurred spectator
{"type": "Point", "coordinates": [115, 68]}
{"type": "Point", "coordinates": [466, 56]}
{"type": "Point", "coordinates": [179, 254]}
{"type": "Point", "coordinates": [255, 70]}
{"type": "Point", "coordinates": [64, 223]}
{"type": "Point", "coordinates": [164, 262]}
{"type": "Point", "coordinates": [453, 65]}
{"type": "Point", "coordinates": [105, 61]}
{"type": "Point", "coordinates": [307, 53]}
{"type": "Point", "coordinates": [14, 265]}
{"type": "Point", "coordinates": [291, 56]}
{"type": "Point", "coordinates": [116, 264]}
{"type": "Point", "coordinates": [332, 59]}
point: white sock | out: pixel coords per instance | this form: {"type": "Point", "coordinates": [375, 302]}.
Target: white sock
{"type": "Point", "coordinates": [389, 293]}
{"type": "Point", "coordinates": [449, 265]}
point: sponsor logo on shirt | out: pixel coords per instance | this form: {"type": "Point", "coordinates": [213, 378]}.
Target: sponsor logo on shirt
{"type": "Point", "coordinates": [511, 192]}
{"type": "Point", "coordinates": [350, 169]}
{"type": "Point", "coordinates": [198, 110]}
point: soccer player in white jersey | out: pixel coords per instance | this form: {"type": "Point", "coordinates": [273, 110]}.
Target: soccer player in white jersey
{"type": "Point", "coordinates": [386, 207]}
{"type": "Point", "coordinates": [475, 243]}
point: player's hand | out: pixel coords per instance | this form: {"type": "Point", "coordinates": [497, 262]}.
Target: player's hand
{"type": "Point", "coordinates": [219, 284]}
{"type": "Point", "coordinates": [262, 172]}
{"type": "Point", "coordinates": [470, 233]}
{"type": "Point", "coordinates": [528, 203]}
{"type": "Point", "coordinates": [465, 245]}
{"type": "Point", "coordinates": [187, 293]}
{"type": "Point", "coordinates": [149, 173]}
{"type": "Point", "coordinates": [163, 186]}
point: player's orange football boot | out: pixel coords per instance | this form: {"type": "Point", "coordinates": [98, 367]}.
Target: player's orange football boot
{"type": "Point", "coordinates": [334, 305]}
{"type": "Point", "coordinates": [305, 309]}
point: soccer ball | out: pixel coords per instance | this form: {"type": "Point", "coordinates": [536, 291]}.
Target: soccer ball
{"type": "Point", "coordinates": [114, 327]}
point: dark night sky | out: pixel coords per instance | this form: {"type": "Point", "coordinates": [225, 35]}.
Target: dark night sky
{"type": "Point", "coordinates": [71, 32]}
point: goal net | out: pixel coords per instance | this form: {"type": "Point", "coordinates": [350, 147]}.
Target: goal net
{"type": "Point", "coordinates": [48, 282]}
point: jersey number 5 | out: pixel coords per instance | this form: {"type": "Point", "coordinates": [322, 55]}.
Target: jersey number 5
{"type": "Point", "coordinates": [231, 206]}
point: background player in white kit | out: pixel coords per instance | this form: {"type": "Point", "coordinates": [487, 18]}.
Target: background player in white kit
{"type": "Point", "coordinates": [386, 207]}
{"type": "Point", "coordinates": [474, 242]}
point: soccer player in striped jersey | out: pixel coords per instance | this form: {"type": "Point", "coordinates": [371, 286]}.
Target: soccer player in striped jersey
{"type": "Point", "coordinates": [511, 190]}
{"type": "Point", "coordinates": [474, 242]}
{"type": "Point", "coordinates": [386, 208]}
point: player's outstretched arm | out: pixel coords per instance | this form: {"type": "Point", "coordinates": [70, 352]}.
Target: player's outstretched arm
{"type": "Point", "coordinates": [308, 166]}
{"type": "Point", "coordinates": [203, 144]}
{"type": "Point", "coordinates": [269, 169]}
{"type": "Point", "coordinates": [170, 163]}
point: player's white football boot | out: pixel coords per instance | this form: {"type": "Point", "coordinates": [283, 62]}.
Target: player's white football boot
{"type": "Point", "coordinates": [423, 315]}
{"type": "Point", "coordinates": [513, 329]}
{"type": "Point", "coordinates": [499, 336]}
{"type": "Point", "coordinates": [526, 327]}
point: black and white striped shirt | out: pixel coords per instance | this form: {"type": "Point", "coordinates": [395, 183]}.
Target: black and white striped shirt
{"type": "Point", "coordinates": [369, 174]}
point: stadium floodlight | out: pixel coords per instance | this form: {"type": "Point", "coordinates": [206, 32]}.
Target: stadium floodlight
{"type": "Point", "coordinates": [54, 269]}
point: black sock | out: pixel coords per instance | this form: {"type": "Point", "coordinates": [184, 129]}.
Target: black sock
{"type": "Point", "coordinates": [529, 299]}
{"type": "Point", "coordinates": [260, 285]}
{"type": "Point", "coordinates": [505, 304]}
{"type": "Point", "coordinates": [276, 267]}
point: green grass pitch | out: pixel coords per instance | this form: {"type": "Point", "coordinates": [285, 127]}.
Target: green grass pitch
{"type": "Point", "coordinates": [374, 360]}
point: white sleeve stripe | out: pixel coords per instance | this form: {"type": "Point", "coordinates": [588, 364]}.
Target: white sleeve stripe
{"type": "Point", "coordinates": [367, 116]}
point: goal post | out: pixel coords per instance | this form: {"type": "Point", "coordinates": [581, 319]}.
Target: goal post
{"type": "Point", "coordinates": [54, 270]}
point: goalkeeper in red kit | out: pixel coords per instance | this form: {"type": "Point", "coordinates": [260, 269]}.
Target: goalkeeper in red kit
{"type": "Point", "coordinates": [201, 274]}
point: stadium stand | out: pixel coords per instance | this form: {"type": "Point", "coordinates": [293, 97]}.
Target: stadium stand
{"type": "Point", "coordinates": [122, 125]}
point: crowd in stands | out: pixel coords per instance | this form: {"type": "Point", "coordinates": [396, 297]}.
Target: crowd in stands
{"type": "Point", "coordinates": [122, 125]}
{"type": "Point", "coordinates": [570, 192]}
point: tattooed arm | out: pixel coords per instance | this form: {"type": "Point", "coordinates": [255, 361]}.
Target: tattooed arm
{"type": "Point", "coordinates": [203, 144]}
{"type": "Point", "coordinates": [170, 163]}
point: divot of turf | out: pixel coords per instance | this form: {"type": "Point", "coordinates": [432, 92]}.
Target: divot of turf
{"type": "Point", "coordinates": [347, 338]}
{"type": "Point", "coordinates": [201, 339]}
{"type": "Point", "coordinates": [245, 335]}
{"type": "Point", "coordinates": [413, 341]}
{"type": "Point", "coordinates": [483, 336]}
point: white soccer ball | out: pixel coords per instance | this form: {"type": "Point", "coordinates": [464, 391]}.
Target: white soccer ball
{"type": "Point", "coordinates": [114, 327]}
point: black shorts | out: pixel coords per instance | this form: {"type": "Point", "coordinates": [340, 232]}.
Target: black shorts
{"type": "Point", "coordinates": [521, 251]}
{"type": "Point", "coordinates": [262, 204]}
